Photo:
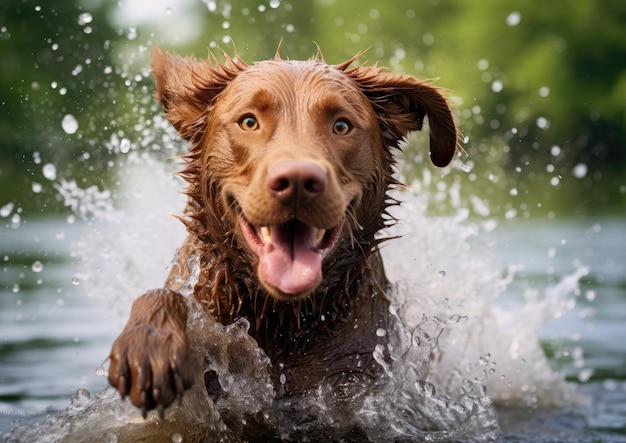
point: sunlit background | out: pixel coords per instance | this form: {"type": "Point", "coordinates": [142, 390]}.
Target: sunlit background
{"type": "Point", "coordinates": [539, 94]}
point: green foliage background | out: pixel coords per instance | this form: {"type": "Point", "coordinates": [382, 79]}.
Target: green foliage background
{"type": "Point", "coordinates": [539, 87]}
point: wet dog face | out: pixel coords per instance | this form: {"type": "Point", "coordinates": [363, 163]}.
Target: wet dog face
{"type": "Point", "coordinates": [293, 156]}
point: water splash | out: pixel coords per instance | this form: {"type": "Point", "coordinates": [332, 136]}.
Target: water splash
{"type": "Point", "coordinates": [456, 355]}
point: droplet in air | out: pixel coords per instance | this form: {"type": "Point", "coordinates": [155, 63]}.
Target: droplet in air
{"type": "Point", "coordinates": [84, 18]}
{"type": "Point", "coordinates": [124, 146]}
{"type": "Point", "coordinates": [496, 86]}
{"type": "Point", "coordinates": [49, 171]}
{"type": "Point", "coordinates": [543, 123]}
{"type": "Point", "coordinates": [69, 124]}
{"type": "Point", "coordinates": [75, 281]}
{"type": "Point", "coordinates": [580, 170]}
{"type": "Point", "coordinates": [37, 266]}
{"type": "Point", "coordinates": [442, 274]}
{"type": "Point", "coordinates": [176, 438]}
{"type": "Point", "coordinates": [381, 332]}
{"type": "Point", "coordinates": [514, 18]}
{"type": "Point", "coordinates": [6, 210]}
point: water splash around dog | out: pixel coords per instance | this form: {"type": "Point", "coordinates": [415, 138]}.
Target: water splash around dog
{"type": "Point", "coordinates": [455, 356]}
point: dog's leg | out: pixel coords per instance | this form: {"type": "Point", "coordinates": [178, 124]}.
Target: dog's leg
{"type": "Point", "coordinates": [149, 358]}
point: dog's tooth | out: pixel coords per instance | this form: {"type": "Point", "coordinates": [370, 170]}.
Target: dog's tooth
{"type": "Point", "coordinates": [319, 235]}
{"type": "Point", "coordinates": [266, 234]}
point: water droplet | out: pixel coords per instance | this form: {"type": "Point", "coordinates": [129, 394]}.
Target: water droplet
{"type": "Point", "coordinates": [543, 123]}
{"type": "Point", "coordinates": [49, 171]}
{"type": "Point", "coordinates": [381, 332]}
{"type": "Point", "coordinates": [37, 266]}
{"type": "Point", "coordinates": [36, 187]}
{"type": "Point", "coordinates": [84, 18]}
{"type": "Point", "coordinates": [442, 274]}
{"type": "Point", "coordinates": [590, 295]}
{"type": "Point", "coordinates": [6, 210]}
{"type": "Point", "coordinates": [16, 288]}
{"type": "Point", "coordinates": [176, 438]}
{"type": "Point", "coordinates": [544, 91]}
{"type": "Point", "coordinates": [111, 437]}
{"type": "Point", "coordinates": [80, 396]}
{"type": "Point", "coordinates": [124, 146]}
{"type": "Point", "coordinates": [283, 379]}
{"type": "Point", "coordinates": [497, 86]}
{"type": "Point", "coordinates": [514, 18]}
{"type": "Point", "coordinates": [580, 170]}
{"type": "Point", "coordinates": [69, 124]}
{"type": "Point", "coordinates": [16, 219]}
{"type": "Point", "coordinates": [274, 4]}
{"type": "Point", "coordinates": [484, 360]}
{"type": "Point", "coordinates": [585, 375]}
{"type": "Point", "coordinates": [75, 281]}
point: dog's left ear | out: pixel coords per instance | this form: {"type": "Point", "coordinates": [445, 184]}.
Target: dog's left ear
{"type": "Point", "coordinates": [401, 102]}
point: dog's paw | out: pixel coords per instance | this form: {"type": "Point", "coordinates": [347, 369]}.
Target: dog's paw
{"type": "Point", "coordinates": [149, 358]}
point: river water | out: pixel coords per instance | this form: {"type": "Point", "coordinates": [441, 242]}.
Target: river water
{"type": "Point", "coordinates": [518, 289]}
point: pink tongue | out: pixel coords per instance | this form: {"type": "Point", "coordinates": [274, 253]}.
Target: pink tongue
{"type": "Point", "coordinates": [292, 265]}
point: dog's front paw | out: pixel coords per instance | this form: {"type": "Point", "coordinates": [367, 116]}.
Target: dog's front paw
{"type": "Point", "coordinates": [149, 358]}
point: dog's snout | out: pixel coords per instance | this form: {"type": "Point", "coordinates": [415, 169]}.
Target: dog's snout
{"type": "Point", "coordinates": [296, 183]}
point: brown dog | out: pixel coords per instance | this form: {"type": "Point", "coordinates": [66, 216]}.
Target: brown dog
{"type": "Point", "coordinates": [288, 173]}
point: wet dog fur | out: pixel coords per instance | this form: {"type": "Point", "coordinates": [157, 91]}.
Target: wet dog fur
{"type": "Point", "coordinates": [288, 171]}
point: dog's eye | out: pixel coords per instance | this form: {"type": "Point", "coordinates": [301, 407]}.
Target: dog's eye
{"type": "Point", "coordinates": [342, 127]}
{"type": "Point", "coordinates": [249, 123]}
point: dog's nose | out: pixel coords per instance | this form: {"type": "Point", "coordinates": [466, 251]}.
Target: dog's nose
{"type": "Point", "coordinates": [296, 183]}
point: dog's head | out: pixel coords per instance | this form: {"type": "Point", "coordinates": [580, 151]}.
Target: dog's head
{"type": "Point", "coordinates": [290, 157]}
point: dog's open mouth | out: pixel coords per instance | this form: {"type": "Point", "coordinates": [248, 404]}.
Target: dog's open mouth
{"type": "Point", "coordinates": [290, 254]}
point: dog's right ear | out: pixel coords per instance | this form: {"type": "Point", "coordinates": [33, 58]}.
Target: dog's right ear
{"type": "Point", "coordinates": [187, 88]}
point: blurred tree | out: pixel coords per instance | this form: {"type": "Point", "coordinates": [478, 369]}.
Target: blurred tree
{"type": "Point", "coordinates": [56, 62]}
{"type": "Point", "coordinates": [549, 80]}
{"type": "Point", "coordinates": [540, 90]}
